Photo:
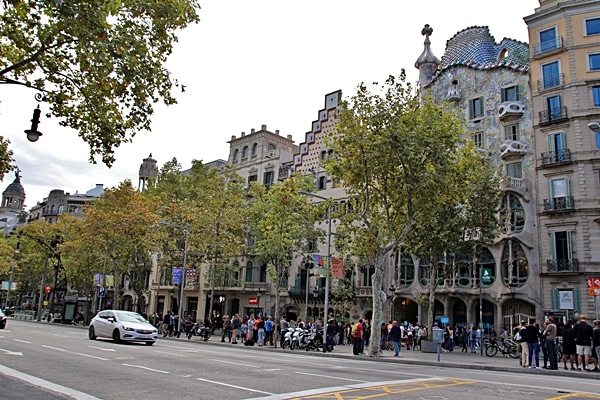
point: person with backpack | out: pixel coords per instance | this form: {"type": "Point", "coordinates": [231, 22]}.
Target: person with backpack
{"type": "Point", "coordinates": [473, 338]}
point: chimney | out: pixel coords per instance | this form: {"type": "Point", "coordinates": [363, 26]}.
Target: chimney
{"type": "Point", "coordinates": [233, 137]}
{"type": "Point", "coordinates": [277, 131]}
{"type": "Point", "coordinates": [252, 130]}
{"type": "Point", "coordinates": [263, 127]}
{"type": "Point", "coordinates": [243, 134]}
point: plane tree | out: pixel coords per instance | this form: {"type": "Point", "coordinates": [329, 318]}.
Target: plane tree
{"type": "Point", "coordinates": [121, 225]}
{"type": "Point", "coordinates": [100, 64]}
{"type": "Point", "coordinates": [395, 153]}
{"type": "Point", "coordinates": [283, 224]}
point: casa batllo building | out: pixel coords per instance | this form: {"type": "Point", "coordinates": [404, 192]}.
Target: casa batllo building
{"type": "Point", "coordinates": [487, 84]}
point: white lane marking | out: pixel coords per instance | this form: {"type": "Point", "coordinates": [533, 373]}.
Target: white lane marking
{"type": "Point", "coordinates": [272, 369]}
{"type": "Point", "coordinates": [234, 386]}
{"type": "Point", "coordinates": [12, 353]}
{"type": "Point", "coordinates": [146, 368]}
{"type": "Point", "coordinates": [234, 363]}
{"type": "Point", "coordinates": [22, 341]}
{"type": "Point", "coordinates": [170, 353]}
{"type": "Point", "coordinates": [53, 387]}
{"type": "Point", "coordinates": [56, 334]}
{"type": "Point", "coordinates": [101, 348]}
{"type": "Point", "coordinates": [330, 376]}
{"type": "Point", "coordinates": [72, 352]}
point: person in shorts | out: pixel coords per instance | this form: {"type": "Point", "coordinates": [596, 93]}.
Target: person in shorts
{"type": "Point", "coordinates": [583, 341]}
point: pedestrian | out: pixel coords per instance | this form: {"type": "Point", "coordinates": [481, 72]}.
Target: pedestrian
{"type": "Point", "coordinates": [568, 345]}
{"type": "Point", "coordinates": [596, 345]}
{"type": "Point", "coordinates": [226, 330]}
{"type": "Point", "coordinates": [395, 336]}
{"type": "Point", "coordinates": [357, 335]}
{"type": "Point", "coordinates": [261, 331]}
{"type": "Point", "coordinates": [550, 333]}
{"type": "Point", "coordinates": [235, 327]}
{"type": "Point", "coordinates": [269, 328]}
{"type": "Point", "coordinates": [521, 338]}
{"type": "Point", "coordinates": [533, 343]}
{"type": "Point", "coordinates": [166, 323]}
{"type": "Point", "coordinates": [473, 338]}
{"type": "Point", "coordinates": [284, 325]}
{"type": "Point", "coordinates": [583, 342]}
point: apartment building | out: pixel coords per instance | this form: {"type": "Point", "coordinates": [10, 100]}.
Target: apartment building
{"type": "Point", "coordinates": [565, 84]}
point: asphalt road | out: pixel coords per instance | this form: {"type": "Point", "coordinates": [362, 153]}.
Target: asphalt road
{"type": "Point", "coordinates": [40, 361]}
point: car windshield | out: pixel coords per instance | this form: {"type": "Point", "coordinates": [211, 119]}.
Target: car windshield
{"type": "Point", "coordinates": [129, 317]}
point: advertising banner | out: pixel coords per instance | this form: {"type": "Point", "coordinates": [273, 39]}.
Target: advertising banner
{"type": "Point", "coordinates": [177, 275]}
{"type": "Point", "coordinates": [594, 286]}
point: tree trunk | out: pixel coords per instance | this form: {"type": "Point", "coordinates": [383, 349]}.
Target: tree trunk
{"type": "Point", "coordinates": [377, 281]}
{"type": "Point", "coordinates": [432, 287]}
{"type": "Point", "coordinates": [116, 299]}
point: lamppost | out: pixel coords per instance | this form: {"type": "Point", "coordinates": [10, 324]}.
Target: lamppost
{"type": "Point", "coordinates": [258, 295]}
{"type": "Point", "coordinates": [392, 294]}
{"type": "Point", "coordinates": [328, 272]}
{"type": "Point", "coordinates": [185, 252]}
{"type": "Point", "coordinates": [513, 286]}
{"type": "Point", "coordinates": [307, 267]}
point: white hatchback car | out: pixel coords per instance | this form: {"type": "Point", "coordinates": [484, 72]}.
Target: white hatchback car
{"type": "Point", "coordinates": [122, 326]}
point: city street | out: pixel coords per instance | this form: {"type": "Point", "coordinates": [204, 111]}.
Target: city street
{"type": "Point", "coordinates": [43, 361]}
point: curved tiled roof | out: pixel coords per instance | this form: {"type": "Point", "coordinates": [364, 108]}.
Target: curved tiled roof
{"type": "Point", "coordinates": [476, 48]}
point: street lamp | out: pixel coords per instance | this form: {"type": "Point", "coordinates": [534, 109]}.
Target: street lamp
{"type": "Point", "coordinates": [258, 295]}
{"type": "Point", "coordinates": [513, 286]}
{"type": "Point", "coordinates": [185, 252]}
{"type": "Point", "coordinates": [326, 302]}
{"type": "Point", "coordinates": [392, 295]}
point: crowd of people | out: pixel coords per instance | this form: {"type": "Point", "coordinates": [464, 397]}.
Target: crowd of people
{"type": "Point", "coordinates": [580, 344]}
{"type": "Point", "coordinates": [578, 341]}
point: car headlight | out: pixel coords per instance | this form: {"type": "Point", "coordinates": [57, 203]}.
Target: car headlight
{"type": "Point", "coordinates": [127, 328]}
{"type": "Point", "coordinates": [155, 330]}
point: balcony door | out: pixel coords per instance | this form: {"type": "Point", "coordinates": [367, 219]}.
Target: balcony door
{"type": "Point", "coordinates": [557, 146]}
{"type": "Point", "coordinates": [562, 251]}
{"type": "Point", "coordinates": [551, 75]}
{"type": "Point", "coordinates": [548, 40]}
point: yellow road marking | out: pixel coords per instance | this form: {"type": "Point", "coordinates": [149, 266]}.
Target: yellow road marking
{"type": "Point", "coordinates": [575, 395]}
{"type": "Point", "coordinates": [372, 392]}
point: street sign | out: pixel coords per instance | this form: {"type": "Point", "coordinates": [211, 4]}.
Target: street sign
{"type": "Point", "coordinates": [102, 291]}
{"type": "Point", "coordinates": [47, 289]}
{"type": "Point", "coordinates": [486, 276]}
{"type": "Point", "coordinates": [445, 320]}
{"type": "Point", "coordinates": [177, 275]}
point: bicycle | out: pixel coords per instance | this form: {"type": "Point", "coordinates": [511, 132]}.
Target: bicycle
{"type": "Point", "coordinates": [508, 347]}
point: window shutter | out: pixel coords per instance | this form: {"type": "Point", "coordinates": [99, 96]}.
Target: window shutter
{"type": "Point", "coordinates": [569, 246]}
{"type": "Point", "coordinates": [555, 299]}
{"type": "Point", "coordinates": [553, 245]}
{"type": "Point", "coordinates": [577, 300]}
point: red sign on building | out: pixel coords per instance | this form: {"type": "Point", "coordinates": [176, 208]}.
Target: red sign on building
{"type": "Point", "coordinates": [253, 301]}
{"type": "Point", "coordinates": [594, 286]}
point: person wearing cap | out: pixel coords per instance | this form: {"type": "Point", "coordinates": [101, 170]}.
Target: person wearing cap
{"type": "Point", "coordinates": [583, 341]}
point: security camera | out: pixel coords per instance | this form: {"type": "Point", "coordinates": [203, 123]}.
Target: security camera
{"type": "Point", "coordinates": [594, 125]}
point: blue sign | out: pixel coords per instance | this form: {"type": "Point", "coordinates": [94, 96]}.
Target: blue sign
{"type": "Point", "coordinates": [177, 275]}
{"type": "Point", "coordinates": [102, 291]}
{"type": "Point", "coordinates": [445, 320]}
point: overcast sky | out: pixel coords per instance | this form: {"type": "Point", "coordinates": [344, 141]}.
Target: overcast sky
{"type": "Point", "coordinates": [249, 63]}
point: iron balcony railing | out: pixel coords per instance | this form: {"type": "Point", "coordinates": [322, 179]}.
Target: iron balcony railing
{"type": "Point", "coordinates": [556, 157]}
{"type": "Point", "coordinates": [563, 265]}
{"type": "Point", "coordinates": [547, 47]}
{"type": "Point", "coordinates": [558, 204]}
{"type": "Point", "coordinates": [553, 115]}
{"type": "Point", "coordinates": [552, 81]}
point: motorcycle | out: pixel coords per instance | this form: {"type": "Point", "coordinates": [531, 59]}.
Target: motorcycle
{"type": "Point", "coordinates": [199, 330]}
{"type": "Point", "coordinates": [314, 341]}
{"type": "Point", "coordinates": [287, 338]}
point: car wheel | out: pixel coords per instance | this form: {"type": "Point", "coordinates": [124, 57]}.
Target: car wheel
{"type": "Point", "coordinates": [116, 337]}
{"type": "Point", "coordinates": [149, 343]}
{"type": "Point", "coordinates": [92, 333]}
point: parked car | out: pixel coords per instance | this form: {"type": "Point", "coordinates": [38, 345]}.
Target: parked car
{"type": "Point", "coordinates": [2, 319]}
{"type": "Point", "coordinates": [121, 326]}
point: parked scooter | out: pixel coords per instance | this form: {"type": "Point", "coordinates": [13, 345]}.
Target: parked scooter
{"type": "Point", "coordinates": [314, 341]}
{"type": "Point", "coordinates": [199, 330]}
{"type": "Point", "coordinates": [287, 338]}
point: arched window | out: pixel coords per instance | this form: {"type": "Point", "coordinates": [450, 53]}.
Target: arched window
{"type": "Point", "coordinates": [245, 153]}
{"type": "Point", "coordinates": [406, 270]}
{"type": "Point", "coordinates": [236, 153]}
{"type": "Point", "coordinates": [249, 267]}
{"type": "Point", "coordinates": [512, 214]}
{"type": "Point", "coordinates": [61, 209]}
{"type": "Point", "coordinates": [514, 263]}
{"type": "Point", "coordinates": [271, 147]}
{"type": "Point", "coordinates": [263, 273]}
{"type": "Point", "coordinates": [254, 149]}
{"type": "Point", "coordinates": [323, 155]}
